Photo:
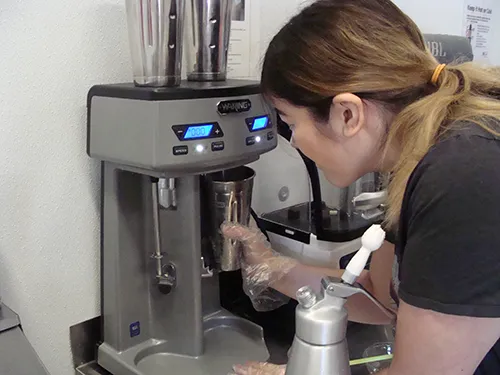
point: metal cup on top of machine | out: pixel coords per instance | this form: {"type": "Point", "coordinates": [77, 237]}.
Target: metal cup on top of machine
{"type": "Point", "coordinates": [156, 29]}
{"type": "Point", "coordinates": [207, 39]}
{"type": "Point", "coordinates": [155, 32]}
{"type": "Point", "coordinates": [173, 156]}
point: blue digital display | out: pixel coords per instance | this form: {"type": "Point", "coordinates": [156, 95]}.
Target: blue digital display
{"type": "Point", "coordinates": [260, 123]}
{"type": "Point", "coordinates": [198, 131]}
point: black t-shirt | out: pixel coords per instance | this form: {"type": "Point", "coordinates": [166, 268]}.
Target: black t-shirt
{"type": "Point", "coordinates": [448, 243]}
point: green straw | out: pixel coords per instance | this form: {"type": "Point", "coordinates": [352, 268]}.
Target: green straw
{"type": "Point", "coordinates": [363, 361]}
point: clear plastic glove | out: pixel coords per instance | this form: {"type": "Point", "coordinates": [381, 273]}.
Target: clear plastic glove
{"type": "Point", "coordinates": [259, 368]}
{"type": "Point", "coordinates": [261, 266]}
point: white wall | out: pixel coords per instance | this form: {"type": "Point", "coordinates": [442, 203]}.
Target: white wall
{"type": "Point", "coordinates": [432, 16]}
{"type": "Point", "coordinates": [51, 52]}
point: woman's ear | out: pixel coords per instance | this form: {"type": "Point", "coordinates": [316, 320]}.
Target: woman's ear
{"type": "Point", "coordinates": [347, 115]}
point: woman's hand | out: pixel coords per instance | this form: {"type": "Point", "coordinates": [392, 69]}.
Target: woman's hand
{"type": "Point", "coordinates": [262, 267]}
{"type": "Point", "coordinates": [257, 248]}
{"type": "Point", "coordinates": [259, 368]}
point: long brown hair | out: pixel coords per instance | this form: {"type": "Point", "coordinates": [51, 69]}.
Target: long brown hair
{"type": "Point", "coordinates": [372, 49]}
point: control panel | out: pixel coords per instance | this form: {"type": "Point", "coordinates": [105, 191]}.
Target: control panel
{"type": "Point", "coordinates": [201, 138]}
{"type": "Point", "coordinates": [188, 135]}
{"type": "Point", "coordinates": [258, 123]}
{"type": "Point", "coordinates": [194, 132]}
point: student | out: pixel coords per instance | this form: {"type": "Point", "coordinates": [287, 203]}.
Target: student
{"type": "Point", "coordinates": [361, 93]}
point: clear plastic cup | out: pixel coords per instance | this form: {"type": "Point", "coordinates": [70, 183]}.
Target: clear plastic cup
{"type": "Point", "coordinates": [375, 350]}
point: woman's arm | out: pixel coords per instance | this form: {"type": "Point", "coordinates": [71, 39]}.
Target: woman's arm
{"type": "Point", "coordinates": [265, 267]}
{"type": "Point", "coordinates": [376, 281]}
{"type": "Point", "coordinates": [428, 342]}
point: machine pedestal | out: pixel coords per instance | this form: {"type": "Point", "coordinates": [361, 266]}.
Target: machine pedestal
{"type": "Point", "coordinates": [228, 340]}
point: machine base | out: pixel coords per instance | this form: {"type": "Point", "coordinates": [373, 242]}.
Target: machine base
{"type": "Point", "coordinates": [229, 340]}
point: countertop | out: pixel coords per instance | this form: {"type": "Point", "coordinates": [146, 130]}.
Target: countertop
{"type": "Point", "coordinates": [17, 357]}
{"type": "Point", "coordinates": [8, 318]}
{"type": "Point", "coordinates": [359, 337]}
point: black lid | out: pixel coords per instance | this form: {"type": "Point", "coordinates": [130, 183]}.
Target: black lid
{"type": "Point", "coordinates": [186, 90]}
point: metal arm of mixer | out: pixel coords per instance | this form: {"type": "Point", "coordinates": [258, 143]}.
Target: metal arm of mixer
{"type": "Point", "coordinates": [167, 193]}
{"type": "Point", "coordinates": [165, 273]}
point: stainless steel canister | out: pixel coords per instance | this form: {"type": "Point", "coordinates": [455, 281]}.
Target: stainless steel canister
{"type": "Point", "coordinates": [155, 29]}
{"type": "Point", "coordinates": [231, 201]}
{"type": "Point", "coordinates": [208, 28]}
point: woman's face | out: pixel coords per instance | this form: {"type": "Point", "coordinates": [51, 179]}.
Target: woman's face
{"type": "Point", "coordinates": [345, 147]}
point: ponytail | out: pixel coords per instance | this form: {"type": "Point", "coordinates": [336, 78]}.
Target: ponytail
{"type": "Point", "coordinates": [465, 92]}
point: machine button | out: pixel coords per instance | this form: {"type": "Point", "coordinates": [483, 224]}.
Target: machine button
{"type": "Point", "coordinates": [179, 131]}
{"type": "Point", "coordinates": [218, 146]}
{"type": "Point", "coordinates": [180, 150]}
{"type": "Point", "coordinates": [217, 132]}
{"type": "Point", "coordinates": [250, 141]}
{"type": "Point", "coordinates": [270, 136]}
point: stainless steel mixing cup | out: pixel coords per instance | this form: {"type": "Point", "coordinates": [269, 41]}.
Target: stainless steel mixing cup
{"type": "Point", "coordinates": [155, 29]}
{"type": "Point", "coordinates": [231, 201]}
{"type": "Point", "coordinates": [208, 28]}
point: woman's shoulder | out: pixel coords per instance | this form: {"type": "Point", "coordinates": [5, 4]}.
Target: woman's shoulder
{"type": "Point", "coordinates": [449, 227]}
{"type": "Point", "coordinates": [463, 138]}
{"type": "Point", "coordinates": [463, 166]}
{"type": "Point", "coordinates": [467, 151]}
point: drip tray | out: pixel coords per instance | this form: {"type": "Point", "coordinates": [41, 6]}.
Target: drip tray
{"type": "Point", "coordinates": [229, 340]}
{"type": "Point", "coordinates": [224, 348]}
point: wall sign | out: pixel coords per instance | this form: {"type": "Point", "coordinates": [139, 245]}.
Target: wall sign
{"type": "Point", "coordinates": [477, 27]}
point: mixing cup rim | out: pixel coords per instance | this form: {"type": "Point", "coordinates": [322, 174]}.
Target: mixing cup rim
{"type": "Point", "coordinates": [250, 171]}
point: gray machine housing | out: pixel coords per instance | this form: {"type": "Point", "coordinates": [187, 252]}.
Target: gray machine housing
{"type": "Point", "coordinates": [134, 126]}
{"type": "Point", "coordinates": [183, 330]}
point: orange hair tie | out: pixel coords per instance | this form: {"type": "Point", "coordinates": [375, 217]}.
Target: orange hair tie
{"type": "Point", "coordinates": [437, 72]}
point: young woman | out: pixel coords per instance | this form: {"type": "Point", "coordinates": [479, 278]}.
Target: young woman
{"type": "Point", "coordinates": [361, 93]}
